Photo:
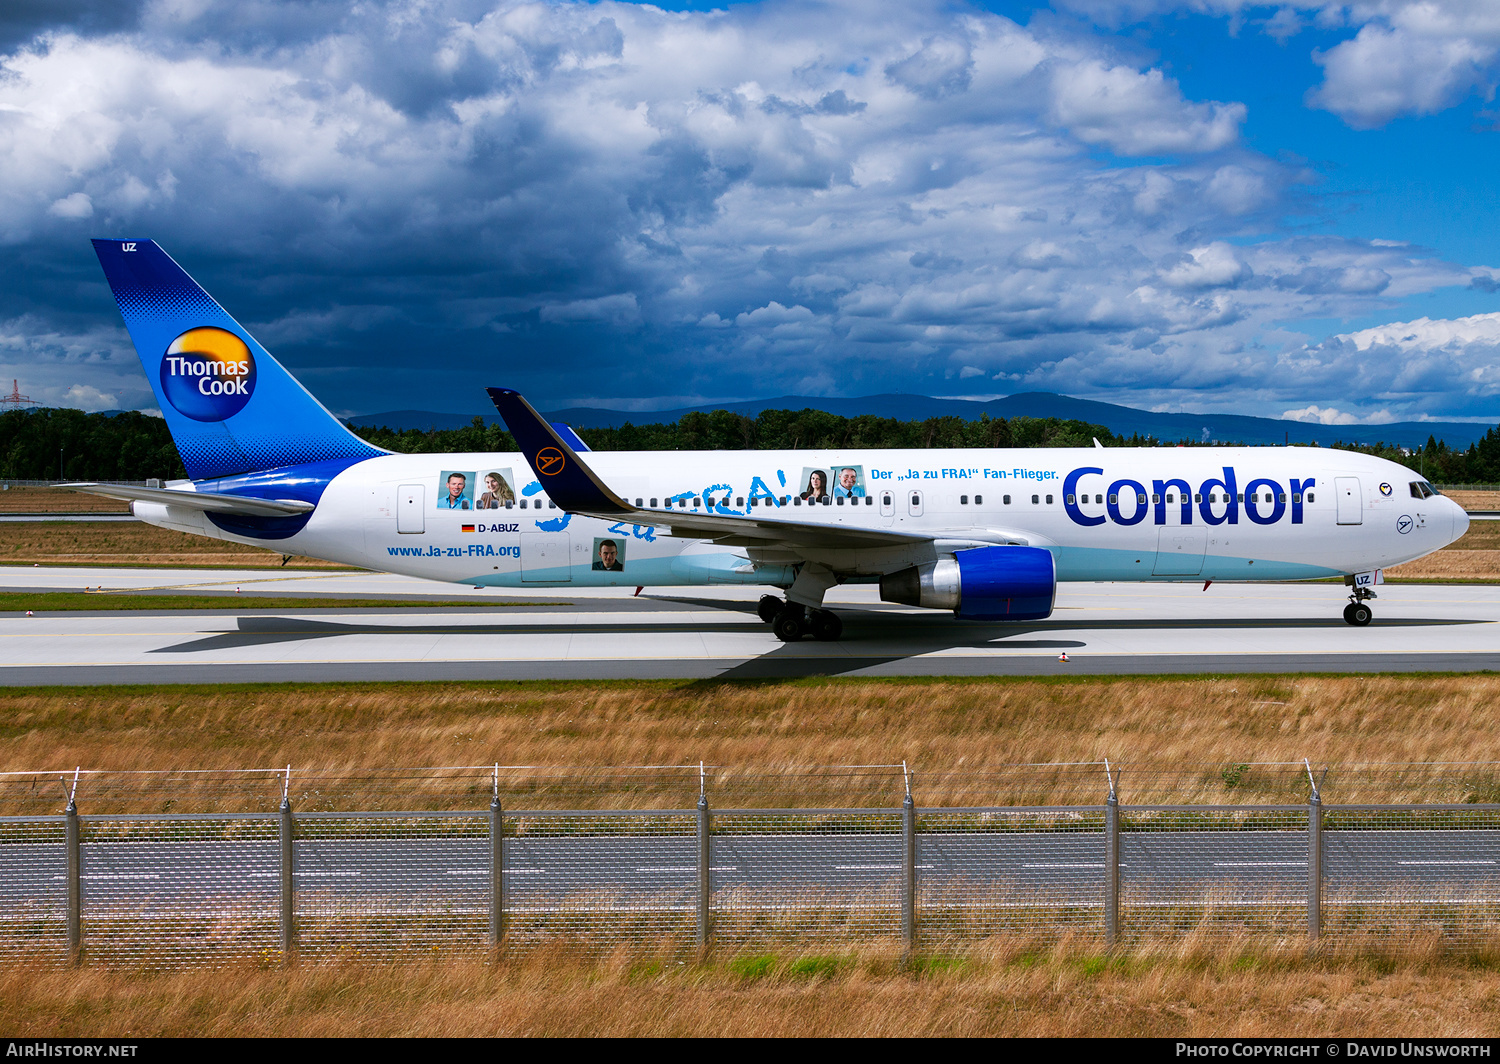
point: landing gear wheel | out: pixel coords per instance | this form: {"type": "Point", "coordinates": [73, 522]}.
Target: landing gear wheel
{"type": "Point", "coordinates": [825, 626]}
{"type": "Point", "coordinates": [790, 624]}
{"type": "Point", "coordinates": [769, 607]}
{"type": "Point", "coordinates": [1358, 614]}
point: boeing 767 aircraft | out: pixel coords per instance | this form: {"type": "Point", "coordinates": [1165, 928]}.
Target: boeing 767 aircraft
{"type": "Point", "coordinates": [986, 534]}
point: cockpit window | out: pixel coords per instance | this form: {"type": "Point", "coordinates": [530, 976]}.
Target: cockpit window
{"type": "Point", "coordinates": [1420, 489]}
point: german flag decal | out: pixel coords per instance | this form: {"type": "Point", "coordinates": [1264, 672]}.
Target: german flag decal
{"type": "Point", "coordinates": [467, 528]}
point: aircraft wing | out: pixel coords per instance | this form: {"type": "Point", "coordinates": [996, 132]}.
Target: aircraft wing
{"type": "Point", "coordinates": [197, 500]}
{"type": "Point", "coordinates": [575, 487]}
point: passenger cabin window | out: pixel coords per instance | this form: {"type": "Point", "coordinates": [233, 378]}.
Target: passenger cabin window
{"type": "Point", "coordinates": [1049, 500]}
{"type": "Point", "coordinates": [1034, 500]}
{"type": "Point", "coordinates": [979, 500]}
{"type": "Point", "coordinates": [1005, 500]}
{"type": "Point", "coordinates": [653, 503]}
{"type": "Point", "coordinates": [963, 500]}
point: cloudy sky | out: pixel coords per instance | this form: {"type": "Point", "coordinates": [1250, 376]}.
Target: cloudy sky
{"type": "Point", "coordinates": [1178, 204]}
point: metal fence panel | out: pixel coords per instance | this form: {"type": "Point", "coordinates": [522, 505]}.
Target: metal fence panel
{"type": "Point", "coordinates": [179, 892]}
{"type": "Point", "coordinates": [378, 886]}
{"type": "Point", "coordinates": [1233, 871]}
{"type": "Point", "coordinates": [598, 880]}
{"type": "Point", "coordinates": [33, 890]}
{"type": "Point", "coordinates": [783, 874]}
{"type": "Point", "coordinates": [1413, 875]}
{"type": "Point", "coordinates": [1032, 873]}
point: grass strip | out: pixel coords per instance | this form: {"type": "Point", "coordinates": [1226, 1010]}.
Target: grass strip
{"type": "Point", "coordinates": [49, 601]}
{"type": "Point", "coordinates": [1195, 989]}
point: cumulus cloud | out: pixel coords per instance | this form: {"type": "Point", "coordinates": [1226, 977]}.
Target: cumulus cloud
{"type": "Point", "coordinates": [1317, 415]}
{"type": "Point", "coordinates": [1138, 113]}
{"type": "Point", "coordinates": [412, 200]}
{"type": "Point", "coordinates": [1406, 57]}
{"type": "Point", "coordinates": [1416, 364]}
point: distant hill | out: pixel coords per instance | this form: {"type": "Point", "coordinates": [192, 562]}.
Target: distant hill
{"type": "Point", "coordinates": [1124, 420]}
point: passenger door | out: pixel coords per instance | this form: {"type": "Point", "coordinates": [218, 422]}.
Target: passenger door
{"type": "Point", "coordinates": [1179, 551]}
{"type": "Point", "coordinates": [545, 557]}
{"type": "Point", "coordinates": [411, 509]}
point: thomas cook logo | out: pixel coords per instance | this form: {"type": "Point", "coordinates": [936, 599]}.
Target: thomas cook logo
{"type": "Point", "coordinates": [208, 374]}
{"type": "Point", "coordinates": [549, 461]}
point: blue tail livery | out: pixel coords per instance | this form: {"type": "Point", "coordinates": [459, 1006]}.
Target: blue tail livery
{"type": "Point", "coordinates": [230, 406]}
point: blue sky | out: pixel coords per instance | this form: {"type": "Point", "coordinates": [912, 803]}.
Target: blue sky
{"type": "Point", "coordinates": [1222, 205]}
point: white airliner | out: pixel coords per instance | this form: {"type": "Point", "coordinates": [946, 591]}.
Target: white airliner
{"type": "Point", "coordinates": [986, 534]}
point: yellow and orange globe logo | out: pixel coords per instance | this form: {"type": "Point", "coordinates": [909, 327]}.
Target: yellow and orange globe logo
{"type": "Point", "coordinates": [208, 374]}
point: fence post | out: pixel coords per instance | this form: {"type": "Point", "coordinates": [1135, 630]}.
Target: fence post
{"type": "Point", "coordinates": [705, 827]}
{"type": "Point", "coordinates": [1314, 860]}
{"type": "Point", "coordinates": [908, 873]}
{"type": "Point", "coordinates": [75, 885]}
{"type": "Point", "coordinates": [497, 873]}
{"type": "Point", "coordinates": [1111, 860]}
{"type": "Point", "coordinates": [288, 882]}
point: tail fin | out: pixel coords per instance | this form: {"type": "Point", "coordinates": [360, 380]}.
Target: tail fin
{"type": "Point", "coordinates": [230, 406]}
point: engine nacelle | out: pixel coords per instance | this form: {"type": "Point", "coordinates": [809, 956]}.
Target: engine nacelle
{"type": "Point", "coordinates": [983, 584]}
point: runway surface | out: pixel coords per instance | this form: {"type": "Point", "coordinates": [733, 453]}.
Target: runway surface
{"type": "Point", "coordinates": [1047, 866]}
{"type": "Point", "coordinates": [713, 632]}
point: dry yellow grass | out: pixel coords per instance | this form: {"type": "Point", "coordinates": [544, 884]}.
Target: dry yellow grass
{"type": "Point", "coordinates": [53, 500]}
{"type": "Point", "coordinates": [1476, 500]}
{"type": "Point", "coordinates": [129, 543]}
{"type": "Point", "coordinates": [1063, 991]}
{"type": "Point", "coordinates": [936, 725]}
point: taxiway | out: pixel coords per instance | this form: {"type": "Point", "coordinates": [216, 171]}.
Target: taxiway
{"type": "Point", "coordinates": [710, 632]}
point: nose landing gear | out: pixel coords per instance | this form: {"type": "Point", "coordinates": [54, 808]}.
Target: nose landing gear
{"type": "Point", "coordinates": [1357, 613]}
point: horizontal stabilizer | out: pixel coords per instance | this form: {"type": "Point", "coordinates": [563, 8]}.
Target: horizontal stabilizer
{"type": "Point", "coordinates": [198, 500]}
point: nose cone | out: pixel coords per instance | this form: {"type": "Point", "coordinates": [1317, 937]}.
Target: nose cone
{"type": "Point", "coordinates": [1460, 521]}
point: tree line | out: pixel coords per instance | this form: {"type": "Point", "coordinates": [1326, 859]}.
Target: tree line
{"type": "Point", "coordinates": [50, 444]}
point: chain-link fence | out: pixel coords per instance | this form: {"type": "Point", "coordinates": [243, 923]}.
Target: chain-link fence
{"type": "Point", "coordinates": [275, 867]}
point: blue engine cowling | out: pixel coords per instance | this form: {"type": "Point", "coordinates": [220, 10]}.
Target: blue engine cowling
{"type": "Point", "coordinates": [983, 584]}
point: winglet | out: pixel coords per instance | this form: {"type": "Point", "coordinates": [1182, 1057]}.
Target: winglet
{"type": "Point", "coordinates": [564, 477]}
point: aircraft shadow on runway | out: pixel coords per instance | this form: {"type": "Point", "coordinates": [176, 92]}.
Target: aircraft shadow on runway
{"type": "Point", "coordinates": [868, 639]}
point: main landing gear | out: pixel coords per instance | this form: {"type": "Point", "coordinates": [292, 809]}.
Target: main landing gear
{"type": "Point", "coordinates": [1357, 613]}
{"type": "Point", "coordinates": [791, 621]}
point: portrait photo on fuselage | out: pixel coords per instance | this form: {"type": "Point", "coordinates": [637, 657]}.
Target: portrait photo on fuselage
{"type": "Point", "coordinates": [814, 485]}
{"type": "Point", "coordinates": [848, 481]}
{"type": "Point", "coordinates": [455, 490]}
{"type": "Point", "coordinates": [609, 555]}
{"type": "Point", "coordinates": [495, 491]}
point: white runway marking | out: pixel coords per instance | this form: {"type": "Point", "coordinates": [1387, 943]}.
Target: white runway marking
{"type": "Point", "coordinates": [1445, 863]}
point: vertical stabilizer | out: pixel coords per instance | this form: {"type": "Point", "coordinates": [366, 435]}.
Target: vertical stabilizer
{"type": "Point", "coordinates": [230, 406]}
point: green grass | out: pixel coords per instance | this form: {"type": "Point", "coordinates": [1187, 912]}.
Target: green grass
{"type": "Point", "coordinates": [48, 601]}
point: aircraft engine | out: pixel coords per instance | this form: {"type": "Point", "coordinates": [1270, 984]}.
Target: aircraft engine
{"type": "Point", "coordinates": [983, 584]}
